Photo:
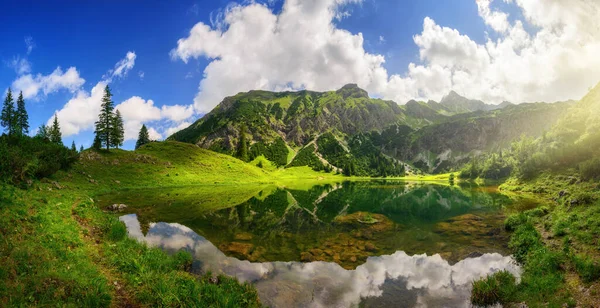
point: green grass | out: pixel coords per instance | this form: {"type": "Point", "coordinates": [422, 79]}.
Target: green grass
{"type": "Point", "coordinates": [498, 288]}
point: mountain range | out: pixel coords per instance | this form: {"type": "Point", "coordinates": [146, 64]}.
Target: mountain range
{"type": "Point", "coordinates": [346, 130]}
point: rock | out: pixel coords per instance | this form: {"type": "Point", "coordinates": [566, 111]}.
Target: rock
{"type": "Point", "coordinates": [306, 257]}
{"type": "Point", "coordinates": [213, 279]}
{"type": "Point", "coordinates": [117, 207]}
{"type": "Point", "coordinates": [474, 254]}
{"type": "Point", "coordinates": [117, 181]}
{"type": "Point", "coordinates": [562, 193]}
{"type": "Point", "coordinates": [370, 247]}
{"type": "Point", "coordinates": [574, 201]}
{"type": "Point", "coordinates": [237, 249]}
{"type": "Point", "coordinates": [56, 185]}
{"type": "Point", "coordinates": [353, 259]}
{"type": "Point", "coordinates": [242, 236]}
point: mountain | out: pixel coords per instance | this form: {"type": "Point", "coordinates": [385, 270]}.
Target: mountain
{"type": "Point", "coordinates": [347, 131]}
{"type": "Point", "coordinates": [459, 104]}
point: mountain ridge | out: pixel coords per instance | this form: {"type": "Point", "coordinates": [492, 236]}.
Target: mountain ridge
{"type": "Point", "coordinates": [275, 123]}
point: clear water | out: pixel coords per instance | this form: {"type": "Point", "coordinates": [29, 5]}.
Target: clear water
{"type": "Point", "coordinates": [371, 244]}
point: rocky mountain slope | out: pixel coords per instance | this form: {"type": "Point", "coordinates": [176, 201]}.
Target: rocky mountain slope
{"type": "Point", "coordinates": [347, 130]}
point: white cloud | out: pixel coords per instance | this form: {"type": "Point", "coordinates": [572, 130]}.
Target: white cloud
{"type": "Point", "coordinates": [177, 113]}
{"type": "Point", "coordinates": [381, 39]}
{"type": "Point", "coordinates": [252, 47]}
{"type": "Point", "coordinates": [81, 111]}
{"type": "Point", "coordinates": [122, 67]}
{"type": "Point", "coordinates": [171, 130]}
{"type": "Point", "coordinates": [141, 74]}
{"type": "Point", "coordinates": [20, 65]}
{"type": "Point", "coordinates": [137, 111]}
{"type": "Point", "coordinates": [32, 85]}
{"type": "Point", "coordinates": [495, 19]}
{"type": "Point", "coordinates": [154, 135]}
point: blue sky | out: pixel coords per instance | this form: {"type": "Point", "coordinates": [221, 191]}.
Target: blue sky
{"type": "Point", "coordinates": [92, 37]}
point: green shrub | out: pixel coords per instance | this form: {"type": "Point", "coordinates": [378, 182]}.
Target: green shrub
{"type": "Point", "coordinates": [183, 260]}
{"type": "Point", "coordinates": [587, 268]}
{"type": "Point", "coordinates": [560, 227]}
{"type": "Point", "coordinates": [498, 288]}
{"type": "Point", "coordinates": [590, 169]}
{"type": "Point", "coordinates": [538, 212]}
{"type": "Point", "coordinates": [513, 221]}
{"type": "Point", "coordinates": [116, 230]}
{"type": "Point", "coordinates": [26, 158]}
{"type": "Point", "coordinates": [524, 240]}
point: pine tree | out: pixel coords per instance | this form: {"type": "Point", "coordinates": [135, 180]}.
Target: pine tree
{"type": "Point", "coordinates": [73, 147]}
{"type": "Point", "coordinates": [55, 134]}
{"type": "Point", "coordinates": [8, 113]}
{"type": "Point", "coordinates": [97, 145]}
{"type": "Point", "coordinates": [21, 117]}
{"type": "Point", "coordinates": [117, 132]}
{"type": "Point", "coordinates": [43, 133]}
{"type": "Point", "coordinates": [143, 137]}
{"type": "Point", "coordinates": [80, 149]}
{"type": "Point", "coordinates": [242, 152]}
{"type": "Point", "coordinates": [104, 126]}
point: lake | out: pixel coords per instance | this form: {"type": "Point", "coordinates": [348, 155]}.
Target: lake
{"type": "Point", "coordinates": [368, 244]}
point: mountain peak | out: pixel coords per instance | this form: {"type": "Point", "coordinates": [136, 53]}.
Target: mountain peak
{"type": "Point", "coordinates": [352, 90]}
{"type": "Point", "coordinates": [451, 97]}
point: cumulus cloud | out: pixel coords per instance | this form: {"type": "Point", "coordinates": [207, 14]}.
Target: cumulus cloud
{"type": "Point", "coordinates": [171, 130]}
{"type": "Point", "coordinates": [495, 19]}
{"type": "Point", "coordinates": [34, 85]}
{"type": "Point", "coordinates": [80, 113]}
{"type": "Point", "coordinates": [137, 111]}
{"type": "Point", "coordinates": [251, 46]}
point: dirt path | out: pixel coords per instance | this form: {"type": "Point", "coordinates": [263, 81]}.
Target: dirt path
{"type": "Point", "coordinates": [92, 237]}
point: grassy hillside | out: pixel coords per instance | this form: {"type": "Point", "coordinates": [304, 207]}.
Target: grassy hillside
{"type": "Point", "coordinates": [57, 247]}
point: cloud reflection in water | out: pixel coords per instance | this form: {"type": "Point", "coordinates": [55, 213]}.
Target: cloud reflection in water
{"type": "Point", "coordinates": [389, 280]}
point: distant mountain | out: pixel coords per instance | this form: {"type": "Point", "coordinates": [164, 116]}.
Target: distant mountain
{"type": "Point", "coordinates": [347, 130]}
{"type": "Point", "coordinates": [456, 104]}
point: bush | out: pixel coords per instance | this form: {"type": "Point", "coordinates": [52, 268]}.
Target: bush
{"type": "Point", "coordinates": [498, 288]}
{"type": "Point", "coordinates": [560, 227]}
{"type": "Point", "coordinates": [524, 240]}
{"type": "Point", "coordinates": [514, 221]}
{"type": "Point", "coordinates": [588, 270]}
{"type": "Point", "coordinates": [26, 158]}
{"type": "Point", "coordinates": [590, 169]}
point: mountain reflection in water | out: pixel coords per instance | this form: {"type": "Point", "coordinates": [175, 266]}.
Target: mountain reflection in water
{"type": "Point", "coordinates": [397, 279]}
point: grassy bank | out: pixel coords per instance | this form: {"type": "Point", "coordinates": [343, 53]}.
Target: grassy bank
{"type": "Point", "coordinates": [58, 248]}
{"type": "Point", "coordinates": [558, 246]}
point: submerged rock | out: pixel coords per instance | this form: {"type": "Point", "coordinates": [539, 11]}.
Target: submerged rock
{"type": "Point", "coordinates": [117, 207]}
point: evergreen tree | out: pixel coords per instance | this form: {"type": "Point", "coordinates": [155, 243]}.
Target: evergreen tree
{"type": "Point", "coordinates": [143, 137]}
{"type": "Point", "coordinates": [80, 149]}
{"type": "Point", "coordinates": [97, 145]}
{"type": "Point", "coordinates": [104, 126]}
{"type": "Point", "coordinates": [117, 132]}
{"type": "Point", "coordinates": [55, 134]}
{"type": "Point", "coordinates": [21, 117]}
{"type": "Point", "coordinates": [43, 133]}
{"type": "Point", "coordinates": [8, 113]}
{"type": "Point", "coordinates": [242, 152]}
{"type": "Point", "coordinates": [73, 147]}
